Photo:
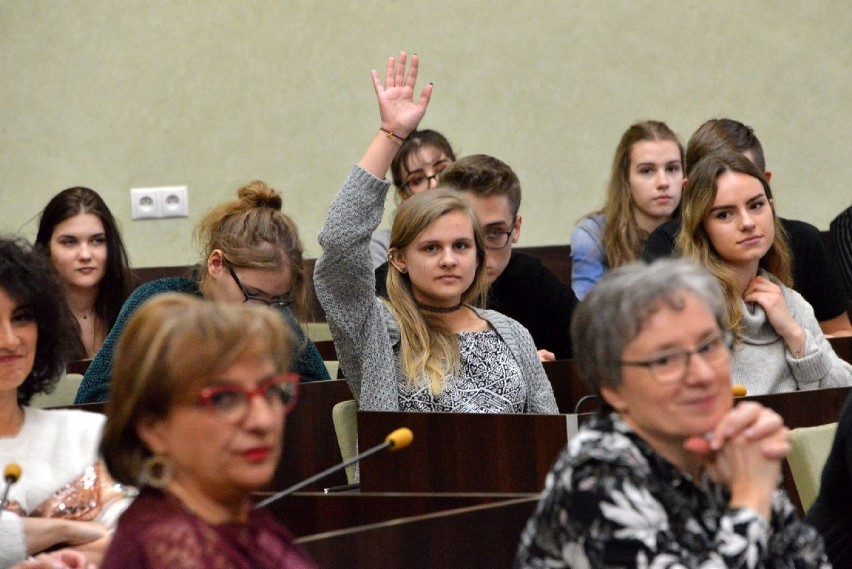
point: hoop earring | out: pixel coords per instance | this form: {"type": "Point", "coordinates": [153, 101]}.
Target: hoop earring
{"type": "Point", "coordinates": [156, 472]}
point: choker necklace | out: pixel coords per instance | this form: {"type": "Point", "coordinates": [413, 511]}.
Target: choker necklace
{"type": "Point", "coordinates": [438, 309]}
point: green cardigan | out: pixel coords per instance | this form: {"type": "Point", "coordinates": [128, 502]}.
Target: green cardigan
{"type": "Point", "coordinates": [95, 385]}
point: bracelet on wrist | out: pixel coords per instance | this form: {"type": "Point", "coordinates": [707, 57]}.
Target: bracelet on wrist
{"type": "Point", "coordinates": [393, 136]}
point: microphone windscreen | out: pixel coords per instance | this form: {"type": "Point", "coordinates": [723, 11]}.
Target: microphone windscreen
{"type": "Point", "coordinates": [12, 472]}
{"type": "Point", "coordinates": [739, 390]}
{"type": "Point", "coordinates": [400, 438]}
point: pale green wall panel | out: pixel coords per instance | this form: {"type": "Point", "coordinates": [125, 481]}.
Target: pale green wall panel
{"type": "Point", "coordinates": [116, 95]}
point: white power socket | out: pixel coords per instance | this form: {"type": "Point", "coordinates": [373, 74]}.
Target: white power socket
{"type": "Point", "coordinates": [155, 203]}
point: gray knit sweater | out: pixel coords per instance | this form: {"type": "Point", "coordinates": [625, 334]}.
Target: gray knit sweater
{"type": "Point", "coordinates": [762, 363]}
{"type": "Point", "coordinates": [364, 330]}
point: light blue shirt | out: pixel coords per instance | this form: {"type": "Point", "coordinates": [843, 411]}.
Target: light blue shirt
{"type": "Point", "coordinates": [588, 260]}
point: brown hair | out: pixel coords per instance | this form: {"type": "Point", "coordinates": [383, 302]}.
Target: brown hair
{"type": "Point", "coordinates": [171, 348]}
{"type": "Point", "coordinates": [693, 241]}
{"type": "Point", "coordinates": [485, 176]}
{"type": "Point", "coordinates": [252, 232]}
{"type": "Point", "coordinates": [117, 281]}
{"type": "Point", "coordinates": [724, 134]}
{"type": "Point", "coordinates": [427, 348]}
{"type": "Point", "coordinates": [413, 143]}
{"type": "Point", "coordinates": [622, 237]}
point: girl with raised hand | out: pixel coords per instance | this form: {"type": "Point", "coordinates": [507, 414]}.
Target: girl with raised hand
{"type": "Point", "coordinates": [428, 348]}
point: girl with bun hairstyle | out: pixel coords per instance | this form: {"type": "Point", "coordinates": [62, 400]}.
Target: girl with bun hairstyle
{"type": "Point", "coordinates": [252, 254]}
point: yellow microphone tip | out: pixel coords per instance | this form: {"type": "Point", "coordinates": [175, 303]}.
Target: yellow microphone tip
{"type": "Point", "coordinates": [12, 472]}
{"type": "Point", "coordinates": [739, 390]}
{"type": "Point", "coordinates": [400, 438]}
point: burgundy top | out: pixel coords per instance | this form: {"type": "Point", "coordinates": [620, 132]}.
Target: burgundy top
{"type": "Point", "coordinates": [156, 532]}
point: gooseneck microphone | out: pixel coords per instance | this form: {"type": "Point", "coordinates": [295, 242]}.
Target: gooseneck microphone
{"type": "Point", "coordinates": [397, 440]}
{"type": "Point", "coordinates": [11, 474]}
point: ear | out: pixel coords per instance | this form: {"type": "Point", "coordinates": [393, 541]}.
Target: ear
{"type": "Point", "coordinates": [216, 263]}
{"type": "Point", "coordinates": [397, 259]}
{"type": "Point", "coordinates": [516, 230]}
{"type": "Point", "coordinates": [151, 432]}
{"type": "Point", "coordinates": [614, 400]}
{"type": "Point", "coordinates": [683, 184]}
{"type": "Point", "coordinates": [768, 175]}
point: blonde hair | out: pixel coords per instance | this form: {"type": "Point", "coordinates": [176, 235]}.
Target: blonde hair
{"type": "Point", "coordinates": [622, 237]}
{"type": "Point", "coordinates": [252, 232]}
{"type": "Point", "coordinates": [427, 348]}
{"type": "Point", "coordinates": [693, 241]}
{"type": "Point", "coordinates": [171, 348]}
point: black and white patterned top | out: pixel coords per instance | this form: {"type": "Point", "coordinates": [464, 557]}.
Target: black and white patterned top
{"type": "Point", "coordinates": [612, 501]}
{"type": "Point", "coordinates": [489, 381]}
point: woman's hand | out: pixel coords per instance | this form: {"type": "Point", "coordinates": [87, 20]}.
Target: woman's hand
{"type": "Point", "coordinates": [748, 473]}
{"type": "Point", "coordinates": [769, 296]}
{"type": "Point", "coordinates": [546, 356]}
{"type": "Point", "coordinates": [744, 452]}
{"type": "Point", "coordinates": [752, 421]}
{"type": "Point", "coordinates": [400, 115]}
{"type": "Point", "coordinates": [44, 533]}
{"type": "Point", "coordinates": [63, 559]}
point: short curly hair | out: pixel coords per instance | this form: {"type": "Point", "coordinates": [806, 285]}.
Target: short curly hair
{"type": "Point", "coordinates": [28, 279]}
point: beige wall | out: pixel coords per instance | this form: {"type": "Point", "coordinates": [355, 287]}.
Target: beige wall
{"type": "Point", "coordinates": [120, 94]}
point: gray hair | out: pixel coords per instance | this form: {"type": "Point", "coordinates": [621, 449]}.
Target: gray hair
{"type": "Point", "coordinates": [615, 310]}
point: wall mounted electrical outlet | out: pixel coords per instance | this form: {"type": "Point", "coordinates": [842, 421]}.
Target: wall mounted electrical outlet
{"type": "Point", "coordinates": [155, 203]}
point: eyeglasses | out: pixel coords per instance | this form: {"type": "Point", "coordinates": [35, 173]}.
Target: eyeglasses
{"type": "Point", "coordinates": [671, 367]}
{"type": "Point", "coordinates": [419, 181]}
{"type": "Point", "coordinates": [498, 238]}
{"type": "Point", "coordinates": [277, 302]}
{"type": "Point", "coordinates": [231, 402]}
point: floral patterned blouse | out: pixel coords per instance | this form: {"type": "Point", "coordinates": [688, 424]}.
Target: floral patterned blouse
{"type": "Point", "coordinates": [612, 501]}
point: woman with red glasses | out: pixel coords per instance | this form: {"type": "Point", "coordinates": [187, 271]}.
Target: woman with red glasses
{"type": "Point", "coordinates": [196, 420]}
{"type": "Point", "coordinates": [252, 254]}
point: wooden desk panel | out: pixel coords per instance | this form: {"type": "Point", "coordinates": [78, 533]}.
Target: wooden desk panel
{"type": "Point", "coordinates": [568, 388]}
{"type": "Point", "coordinates": [457, 452]}
{"type": "Point", "coordinates": [843, 347]}
{"type": "Point", "coordinates": [805, 408]}
{"type": "Point", "coordinates": [310, 443]}
{"type": "Point", "coordinates": [478, 536]}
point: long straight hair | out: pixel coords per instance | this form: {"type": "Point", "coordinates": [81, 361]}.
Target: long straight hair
{"type": "Point", "coordinates": [693, 241]}
{"type": "Point", "coordinates": [117, 281]}
{"type": "Point", "coordinates": [622, 237]}
{"type": "Point", "coordinates": [428, 350]}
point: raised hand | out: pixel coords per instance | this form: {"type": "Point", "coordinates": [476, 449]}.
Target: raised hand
{"type": "Point", "coordinates": [400, 115]}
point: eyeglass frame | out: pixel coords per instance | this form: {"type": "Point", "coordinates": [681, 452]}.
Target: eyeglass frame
{"type": "Point", "coordinates": [406, 185]}
{"type": "Point", "coordinates": [290, 379]}
{"type": "Point", "coordinates": [725, 337]}
{"type": "Point", "coordinates": [283, 301]}
{"type": "Point", "coordinates": [507, 233]}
